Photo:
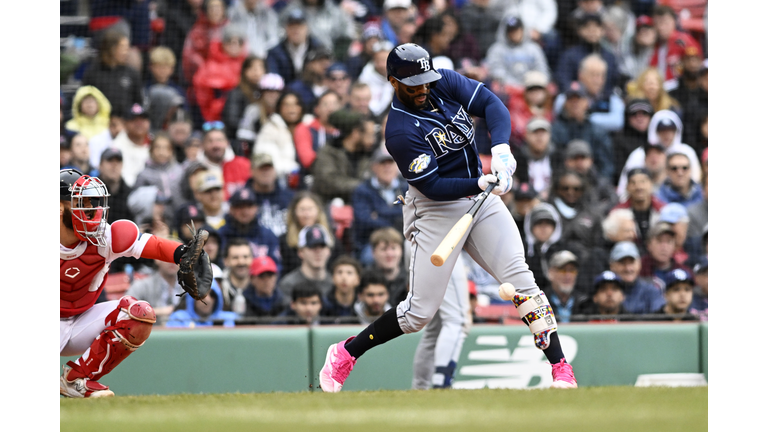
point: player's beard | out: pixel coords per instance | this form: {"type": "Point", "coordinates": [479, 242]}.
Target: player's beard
{"type": "Point", "coordinates": [66, 219]}
{"type": "Point", "coordinates": [409, 100]}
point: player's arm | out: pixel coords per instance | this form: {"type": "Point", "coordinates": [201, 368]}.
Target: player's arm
{"type": "Point", "coordinates": [127, 240]}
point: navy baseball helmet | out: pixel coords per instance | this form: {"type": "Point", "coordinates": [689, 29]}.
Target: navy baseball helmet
{"type": "Point", "coordinates": [411, 65]}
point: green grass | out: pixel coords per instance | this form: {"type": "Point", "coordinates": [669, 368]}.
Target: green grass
{"type": "Point", "coordinates": [624, 409]}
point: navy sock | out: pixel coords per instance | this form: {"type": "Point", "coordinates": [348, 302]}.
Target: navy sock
{"type": "Point", "coordinates": [554, 352]}
{"type": "Point", "coordinates": [384, 329]}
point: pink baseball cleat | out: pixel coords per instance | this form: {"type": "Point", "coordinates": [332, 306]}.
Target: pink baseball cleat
{"type": "Point", "coordinates": [562, 375]}
{"type": "Point", "coordinates": [338, 365]}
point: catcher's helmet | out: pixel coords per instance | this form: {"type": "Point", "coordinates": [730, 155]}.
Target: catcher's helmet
{"type": "Point", "coordinates": [411, 65]}
{"type": "Point", "coordinates": [67, 178]}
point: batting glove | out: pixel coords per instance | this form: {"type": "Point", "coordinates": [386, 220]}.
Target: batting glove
{"type": "Point", "coordinates": [504, 186]}
{"type": "Point", "coordinates": [502, 161]}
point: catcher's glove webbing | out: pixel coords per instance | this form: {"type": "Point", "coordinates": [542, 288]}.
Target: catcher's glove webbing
{"type": "Point", "coordinates": [195, 274]}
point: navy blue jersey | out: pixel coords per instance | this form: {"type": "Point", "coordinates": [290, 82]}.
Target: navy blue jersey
{"type": "Point", "coordinates": [435, 150]}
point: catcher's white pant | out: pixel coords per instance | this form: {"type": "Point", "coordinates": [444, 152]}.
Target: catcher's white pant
{"type": "Point", "coordinates": [438, 351]}
{"type": "Point", "coordinates": [77, 333]}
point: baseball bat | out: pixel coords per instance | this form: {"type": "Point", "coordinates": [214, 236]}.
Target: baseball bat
{"type": "Point", "coordinates": [457, 232]}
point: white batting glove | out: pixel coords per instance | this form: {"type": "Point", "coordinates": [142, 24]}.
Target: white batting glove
{"type": "Point", "coordinates": [504, 186]}
{"type": "Point", "coordinates": [502, 161]}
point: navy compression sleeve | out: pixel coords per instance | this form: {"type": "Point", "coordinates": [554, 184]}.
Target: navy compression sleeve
{"type": "Point", "coordinates": [490, 107]}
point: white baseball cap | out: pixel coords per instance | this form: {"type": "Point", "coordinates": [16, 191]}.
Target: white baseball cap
{"type": "Point", "coordinates": [392, 4]}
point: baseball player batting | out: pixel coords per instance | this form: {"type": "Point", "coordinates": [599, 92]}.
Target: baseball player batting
{"type": "Point", "coordinates": [104, 334]}
{"type": "Point", "coordinates": [430, 134]}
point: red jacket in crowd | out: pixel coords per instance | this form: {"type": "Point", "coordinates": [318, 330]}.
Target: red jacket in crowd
{"type": "Point", "coordinates": [219, 74]}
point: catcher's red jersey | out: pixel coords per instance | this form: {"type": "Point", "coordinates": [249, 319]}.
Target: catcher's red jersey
{"type": "Point", "coordinates": [83, 269]}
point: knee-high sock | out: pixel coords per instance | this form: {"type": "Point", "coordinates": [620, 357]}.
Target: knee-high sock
{"type": "Point", "coordinates": [384, 329]}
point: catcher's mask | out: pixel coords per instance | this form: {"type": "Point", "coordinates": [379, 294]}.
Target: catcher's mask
{"type": "Point", "coordinates": [89, 210]}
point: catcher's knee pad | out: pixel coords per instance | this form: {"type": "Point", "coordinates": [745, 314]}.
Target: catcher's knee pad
{"type": "Point", "coordinates": [537, 314]}
{"type": "Point", "coordinates": [133, 331]}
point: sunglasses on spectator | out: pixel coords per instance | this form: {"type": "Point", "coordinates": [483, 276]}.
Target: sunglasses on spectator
{"type": "Point", "coordinates": [213, 125]}
{"type": "Point", "coordinates": [238, 41]}
{"type": "Point", "coordinates": [338, 77]}
{"type": "Point", "coordinates": [682, 168]}
{"type": "Point", "coordinates": [571, 188]}
{"type": "Point", "coordinates": [265, 275]}
{"type": "Point", "coordinates": [567, 270]}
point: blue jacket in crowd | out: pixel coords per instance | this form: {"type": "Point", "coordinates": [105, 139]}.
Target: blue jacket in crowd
{"type": "Point", "coordinates": [667, 194]}
{"type": "Point", "coordinates": [188, 317]}
{"type": "Point", "coordinates": [263, 240]}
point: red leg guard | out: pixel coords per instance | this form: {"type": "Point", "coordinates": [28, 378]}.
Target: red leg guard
{"type": "Point", "coordinates": [117, 341]}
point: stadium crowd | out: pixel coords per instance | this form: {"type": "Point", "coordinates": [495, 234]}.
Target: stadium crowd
{"type": "Point", "coordinates": [262, 122]}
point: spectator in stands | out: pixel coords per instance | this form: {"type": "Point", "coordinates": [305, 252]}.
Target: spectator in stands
{"type": "Point", "coordinates": [245, 94]}
{"type": "Point", "coordinates": [305, 209]}
{"type": "Point", "coordinates": [203, 313]}
{"type": "Point", "coordinates": [90, 112]}
{"type": "Point", "coordinates": [80, 156]}
{"type": "Point", "coordinates": [524, 199]}
{"type": "Point", "coordinates": [581, 230]}
{"type": "Point", "coordinates": [98, 143]}
{"type": "Point", "coordinates": [133, 142]}
{"type": "Point", "coordinates": [634, 134]}
{"type": "Point", "coordinates": [306, 304]}
{"type": "Point", "coordinates": [650, 85]}
{"type": "Point", "coordinates": [542, 228]}
{"type": "Point", "coordinates": [257, 114]}
{"type": "Point", "coordinates": [641, 201]}
{"type": "Point", "coordinates": [374, 74]}
{"type": "Point", "coordinates": [276, 135]}
{"type": "Point", "coordinates": [687, 251]}
{"type": "Point", "coordinates": [571, 12]}
{"type": "Point", "coordinates": [217, 155]}
{"type": "Point", "coordinates": [686, 89]}
{"type": "Point", "coordinates": [374, 202]}
{"type": "Point", "coordinates": [387, 253]}
{"type": "Point", "coordinates": [536, 158]}
{"type": "Point", "coordinates": [679, 187]}
{"type": "Point", "coordinates": [110, 172]}
{"type": "Point", "coordinates": [598, 190]}
{"type": "Point", "coordinates": [210, 194]}
{"type": "Point", "coordinates": [238, 258]}
{"type": "Point", "coordinates": [573, 123]}
{"type": "Point", "coordinates": [314, 250]}
{"type": "Point", "coordinates": [670, 43]}
{"type": "Point", "coordinates": [636, 57]}
{"type": "Point", "coordinates": [397, 13]}
{"type": "Point", "coordinates": [160, 289]}
{"type": "Point", "coordinates": [695, 113]}
{"type": "Point", "coordinates": [179, 20]}
{"type": "Point", "coordinates": [262, 298]}
{"type": "Point", "coordinates": [481, 21]}
{"type": "Point", "coordinates": [463, 49]}
{"type": "Point", "coordinates": [341, 165]}
{"type": "Point", "coordinates": [607, 298]}
{"type": "Point", "coordinates": [700, 302]}
{"type": "Point", "coordinates": [187, 215]}
{"type": "Point", "coordinates": [360, 99]}
{"type": "Point", "coordinates": [678, 292]}
{"type": "Point", "coordinates": [640, 295]}
{"type": "Point", "coordinates": [337, 79]}
{"type": "Point", "coordinates": [606, 110]}
{"type": "Point", "coordinates": [241, 222]}
{"type": "Point", "coordinates": [665, 129]}
{"type": "Point", "coordinates": [311, 83]}
{"type": "Point", "coordinates": [328, 23]}
{"type": "Point", "coordinates": [287, 57]}
{"type": "Point", "coordinates": [119, 83]}
{"type": "Point", "coordinates": [513, 54]}
{"type": "Point", "coordinates": [590, 33]}
{"type": "Point", "coordinates": [372, 297]}
{"type": "Point", "coordinates": [260, 22]}
{"type": "Point", "coordinates": [656, 164]}
{"type": "Point", "coordinates": [371, 33]}
{"type": "Point", "coordinates": [561, 289]}
{"type": "Point", "coordinates": [699, 212]}
{"type": "Point", "coordinates": [180, 133]}
{"type": "Point", "coordinates": [533, 99]}
{"type": "Point", "coordinates": [346, 273]}
{"type": "Point", "coordinates": [162, 170]}
{"type": "Point", "coordinates": [192, 171]}
{"type": "Point", "coordinates": [272, 197]}
{"type": "Point", "coordinates": [220, 72]}
{"type": "Point", "coordinates": [660, 256]}
{"type": "Point", "coordinates": [618, 226]}
{"type": "Point", "coordinates": [65, 153]}
{"type": "Point", "coordinates": [162, 64]}
{"type": "Point", "coordinates": [431, 36]}
{"type": "Point", "coordinates": [309, 137]}
{"type": "Point", "coordinates": [206, 30]}
{"type": "Point", "coordinates": [619, 27]}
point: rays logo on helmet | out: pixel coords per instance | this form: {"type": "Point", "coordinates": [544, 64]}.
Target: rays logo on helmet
{"type": "Point", "coordinates": [424, 63]}
{"type": "Point", "coordinates": [420, 163]}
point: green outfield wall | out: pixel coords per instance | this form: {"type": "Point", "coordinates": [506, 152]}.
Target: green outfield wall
{"type": "Point", "coordinates": [288, 359]}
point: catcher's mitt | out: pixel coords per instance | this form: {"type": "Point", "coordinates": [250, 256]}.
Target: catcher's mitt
{"type": "Point", "coordinates": [195, 274]}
